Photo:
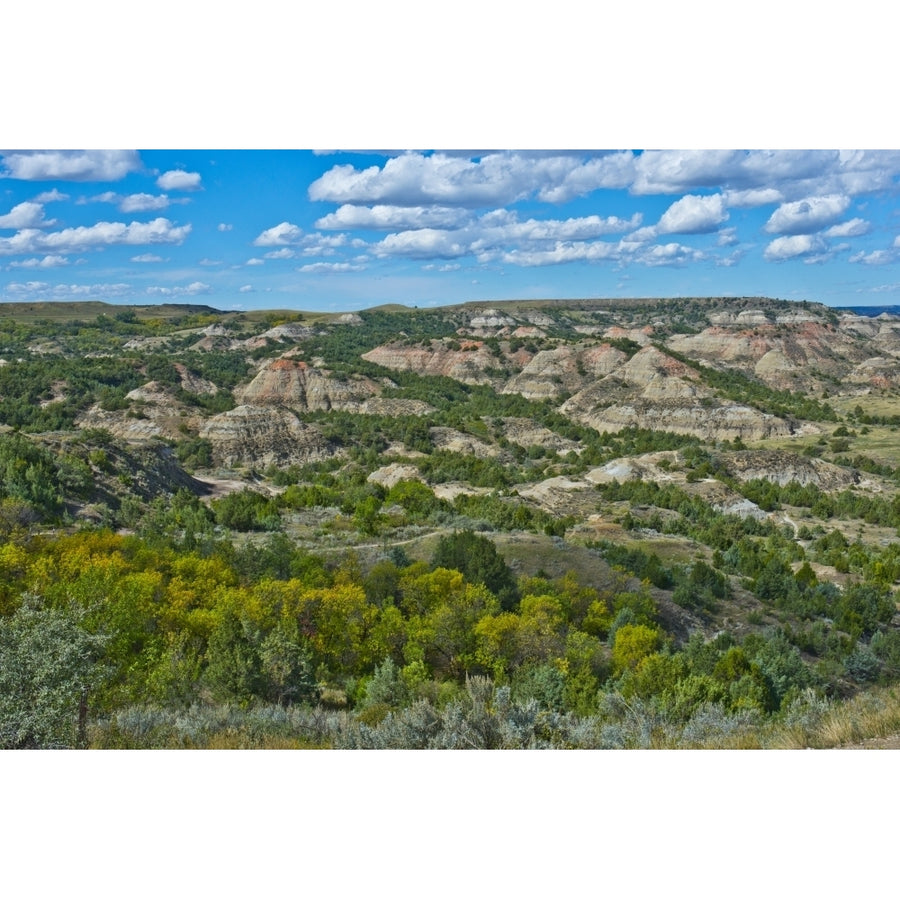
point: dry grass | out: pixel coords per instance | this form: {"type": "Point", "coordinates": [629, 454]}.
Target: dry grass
{"type": "Point", "coordinates": [866, 717]}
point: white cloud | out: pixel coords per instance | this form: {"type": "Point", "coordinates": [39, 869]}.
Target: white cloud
{"type": "Point", "coordinates": [727, 237]}
{"type": "Point", "coordinates": [502, 226]}
{"type": "Point", "coordinates": [279, 235]}
{"type": "Point", "coordinates": [693, 214]}
{"type": "Point", "coordinates": [30, 240]}
{"type": "Point", "coordinates": [25, 215]}
{"type": "Point", "coordinates": [755, 175]}
{"type": "Point", "coordinates": [191, 290]}
{"type": "Point", "coordinates": [178, 180]}
{"type": "Point", "coordinates": [246, 289]}
{"type": "Point", "coordinates": [321, 268]}
{"type": "Point", "coordinates": [210, 262]}
{"type": "Point", "coordinates": [393, 217]}
{"type": "Point", "coordinates": [897, 241]}
{"type": "Point", "coordinates": [53, 196]}
{"type": "Point", "coordinates": [147, 258]}
{"type": "Point", "coordinates": [255, 262]}
{"type": "Point", "coordinates": [875, 258]}
{"type": "Point", "coordinates": [612, 171]}
{"type": "Point", "coordinates": [746, 178]}
{"type": "Point", "coordinates": [105, 197]}
{"type": "Point", "coordinates": [42, 290]}
{"type": "Point", "coordinates": [500, 231]}
{"type": "Point", "coordinates": [322, 244]}
{"type": "Point", "coordinates": [283, 253]}
{"type": "Point", "coordinates": [642, 235]}
{"type": "Point", "coordinates": [222, 226]}
{"type": "Point", "coordinates": [752, 197]}
{"type": "Point", "coordinates": [425, 243]}
{"type": "Point", "coordinates": [732, 259]}
{"type": "Point", "coordinates": [668, 255]}
{"type": "Point", "coordinates": [795, 245]}
{"type": "Point", "coordinates": [676, 171]}
{"type": "Point", "coordinates": [807, 216]}
{"type": "Point", "coordinates": [852, 228]}
{"type": "Point", "coordinates": [143, 202]}
{"type": "Point", "coordinates": [70, 165]}
{"type": "Point", "coordinates": [48, 262]}
{"type": "Point", "coordinates": [564, 253]}
{"type": "Point", "coordinates": [495, 179]}
{"type": "Point", "coordinates": [884, 288]}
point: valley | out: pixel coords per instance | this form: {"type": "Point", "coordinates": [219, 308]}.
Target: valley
{"type": "Point", "coordinates": [590, 523]}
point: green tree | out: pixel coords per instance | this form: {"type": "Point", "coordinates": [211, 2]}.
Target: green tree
{"type": "Point", "coordinates": [477, 558]}
{"type": "Point", "coordinates": [49, 667]}
{"type": "Point", "coordinates": [234, 667]}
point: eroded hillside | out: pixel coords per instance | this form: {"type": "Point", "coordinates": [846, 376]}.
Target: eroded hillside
{"type": "Point", "coordinates": [705, 467]}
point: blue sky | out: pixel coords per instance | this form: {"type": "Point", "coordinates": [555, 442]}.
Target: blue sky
{"type": "Point", "coordinates": [340, 231]}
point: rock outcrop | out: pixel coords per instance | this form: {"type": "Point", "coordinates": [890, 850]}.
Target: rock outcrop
{"type": "Point", "coordinates": [473, 363]}
{"type": "Point", "coordinates": [782, 468]}
{"type": "Point", "coordinates": [263, 436]}
{"type": "Point", "coordinates": [564, 369]}
{"type": "Point", "coordinates": [295, 384]}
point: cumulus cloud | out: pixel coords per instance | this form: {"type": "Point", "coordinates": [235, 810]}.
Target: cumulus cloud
{"type": "Point", "coordinates": [875, 258]}
{"type": "Point", "coordinates": [675, 171]}
{"type": "Point", "coordinates": [132, 202]}
{"type": "Point", "coordinates": [852, 228]}
{"type": "Point", "coordinates": [727, 237]}
{"type": "Point", "coordinates": [495, 179]}
{"type": "Point", "coordinates": [498, 232]}
{"type": "Point", "coordinates": [323, 244]}
{"type": "Point", "coordinates": [179, 180]}
{"type": "Point", "coordinates": [147, 258]}
{"type": "Point", "coordinates": [383, 217]}
{"type": "Point", "coordinates": [795, 245]}
{"type": "Point", "coordinates": [323, 268]}
{"type": "Point", "coordinates": [672, 254]}
{"type": "Point", "coordinates": [41, 290]}
{"type": "Point", "coordinates": [255, 261]}
{"type": "Point", "coordinates": [612, 172]}
{"type": "Point", "coordinates": [668, 255]}
{"type": "Point", "coordinates": [502, 226]}
{"type": "Point", "coordinates": [279, 235]}
{"type": "Point", "coordinates": [693, 214]}
{"type": "Point", "coordinates": [191, 290]}
{"type": "Point", "coordinates": [563, 253]}
{"type": "Point", "coordinates": [283, 253]}
{"type": "Point", "coordinates": [70, 165]}
{"type": "Point", "coordinates": [143, 202]}
{"type": "Point", "coordinates": [897, 241]}
{"type": "Point", "coordinates": [746, 178]}
{"type": "Point", "coordinates": [48, 262]}
{"type": "Point", "coordinates": [246, 289]}
{"type": "Point", "coordinates": [53, 196]}
{"type": "Point", "coordinates": [755, 175]}
{"type": "Point", "coordinates": [25, 215]}
{"type": "Point", "coordinates": [425, 243]}
{"type": "Point", "coordinates": [223, 226]}
{"type": "Point", "coordinates": [30, 240]}
{"type": "Point", "coordinates": [807, 216]}
{"type": "Point", "coordinates": [732, 259]}
{"type": "Point", "coordinates": [752, 197]}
